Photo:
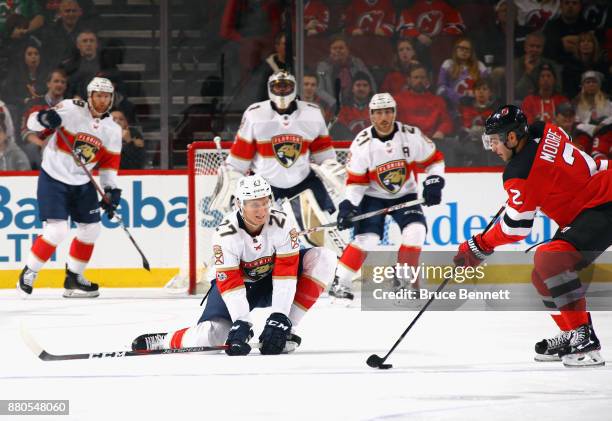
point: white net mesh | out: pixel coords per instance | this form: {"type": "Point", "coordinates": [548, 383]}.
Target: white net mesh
{"type": "Point", "coordinates": [206, 161]}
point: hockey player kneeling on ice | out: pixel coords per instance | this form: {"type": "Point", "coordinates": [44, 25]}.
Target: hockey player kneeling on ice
{"type": "Point", "coordinates": [381, 174]}
{"type": "Point", "coordinates": [545, 171]}
{"type": "Point", "coordinates": [277, 139]}
{"type": "Point", "coordinates": [259, 264]}
{"type": "Point", "coordinates": [64, 190]}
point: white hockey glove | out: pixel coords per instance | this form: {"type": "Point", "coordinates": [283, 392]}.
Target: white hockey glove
{"type": "Point", "coordinates": [332, 173]}
{"type": "Point", "coordinates": [226, 185]}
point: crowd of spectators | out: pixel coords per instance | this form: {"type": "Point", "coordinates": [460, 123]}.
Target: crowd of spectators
{"type": "Point", "coordinates": [443, 60]}
{"type": "Point", "coordinates": [51, 50]}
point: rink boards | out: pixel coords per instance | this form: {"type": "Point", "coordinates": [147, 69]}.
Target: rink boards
{"type": "Point", "coordinates": [154, 208]}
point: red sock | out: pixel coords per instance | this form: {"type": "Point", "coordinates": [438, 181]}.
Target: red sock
{"type": "Point", "coordinates": [353, 257]}
{"type": "Point", "coordinates": [42, 249]}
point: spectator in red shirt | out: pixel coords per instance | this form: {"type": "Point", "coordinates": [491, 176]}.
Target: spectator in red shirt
{"type": "Point", "coordinates": [541, 106]}
{"type": "Point", "coordinates": [397, 79]}
{"type": "Point", "coordinates": [478, 109]}
{"type": "Point", "coordinates": [316, 17]}
{"type": "Point", "coordinates": [420, 108]}
{"type": "Point", "coordinates": [355, 115]}
{"type": "Point", "coordinates": [427, 19]}
{"type": "Point", "coordinates": [370, 17]}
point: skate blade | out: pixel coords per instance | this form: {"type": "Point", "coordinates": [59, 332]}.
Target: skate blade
{"type": "Point", "coordinates": [21, 293]}
{"type": "Point", "coordinates": [587, 359]}
{"type": "Point", "coordinates": [546, 358]}
{"type": "Point", "coordinates": [77, 293]}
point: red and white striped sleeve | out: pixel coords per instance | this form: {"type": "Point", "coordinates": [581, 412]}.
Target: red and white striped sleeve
{"type": "Point", "coordinates": [229, 279]}
{"type": "Point", "coordinates": [284, 274]}
{"type": "Point", "coordinates": [243, 150]}
{"type": "Point", "coordinates": [357, 168]}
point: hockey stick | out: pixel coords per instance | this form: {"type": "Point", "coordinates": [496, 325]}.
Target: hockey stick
{"type": "Point", "coordinates": [40, 352]}
{"type": "Point", "coordinates": [337, 89]}
{"type": "Point", "coordinates": [145, 262]}
{"type": "Point", "coordinates": [374, 360]}
{"type": "Point", "coordinates": [366, 215]}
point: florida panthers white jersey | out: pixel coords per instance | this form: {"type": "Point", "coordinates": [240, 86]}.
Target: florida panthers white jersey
{"type": "Point", "coordinates": [96, 141]}
{"type": "Point", "coordinates": [240, 258]}
{"type": "Point", "coordinates": [386, 169]}
{"type": "Point", "coordinates": [279, 146]}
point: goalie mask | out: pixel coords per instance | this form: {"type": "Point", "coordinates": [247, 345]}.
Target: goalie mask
{"type": "Point", "coordinates": [100, 84]}
{"type": "Point", "coordinates": [250, 188]}
{"type": "Point", "coordinates": [281, 89]}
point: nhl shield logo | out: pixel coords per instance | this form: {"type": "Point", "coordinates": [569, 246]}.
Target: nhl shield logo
{"type": "Point", "coordinates": [392, 175]}
{"type": "Point", "coordinates": [287, 149]}
{"type": "Point", "coordinates": [86, 147]}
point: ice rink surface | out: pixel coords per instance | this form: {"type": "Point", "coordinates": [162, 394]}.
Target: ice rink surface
{"type": "Point", "coordinates": [451, 366]}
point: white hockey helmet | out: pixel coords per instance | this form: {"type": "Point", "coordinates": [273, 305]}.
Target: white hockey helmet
{"type": "Point", "coordinates": [252, 187]}
{"type": "Point", "coordinates": [281, 89]}
{"type": "Point", "coordinates": [100, 84]}
{"type": "Point", "coordinates": [382, 101]}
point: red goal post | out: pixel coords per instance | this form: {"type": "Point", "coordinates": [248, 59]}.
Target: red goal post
{"type": "Point", "coordinates": [203, 162]}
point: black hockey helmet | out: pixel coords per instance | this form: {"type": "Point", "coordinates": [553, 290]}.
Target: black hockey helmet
{"type": "Point", "coordinates": [507, 118]}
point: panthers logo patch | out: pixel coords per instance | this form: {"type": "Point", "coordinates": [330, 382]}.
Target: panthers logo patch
{"type": "Point", "coordinates": [258, 269]}
{"type": "Point", "coordinates": [218, 253]}
{"type": "Point", "coordinates": [392, 175]}
{"type": "Point", "coordinates": [86, 147]}
{"type": "Point", "coordinates": [287, 148]}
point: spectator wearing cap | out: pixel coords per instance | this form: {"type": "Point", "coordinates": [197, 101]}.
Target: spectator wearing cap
{"type": "Point", "coordinates": [588, 56]}
{"type": "Point", "coordinates": [541, 106]}
{"type": "Point", "coordinates": [565, 118]}
{"type": "Point", "coordinates": [592, 104]}
{"type": "Point", "coordinates": [562, 32]}
{"type": "Point", "coordinates": [526, 66]}
{"type": "Point", "coordinates": [355, 115]}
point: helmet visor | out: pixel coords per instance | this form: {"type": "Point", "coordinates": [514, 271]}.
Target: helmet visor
{"type": "Point", "coordinates": [282, 87]}
{"type": "Point", "coordinates": [491, 140]}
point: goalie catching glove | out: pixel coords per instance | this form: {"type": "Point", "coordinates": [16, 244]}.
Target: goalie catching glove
{"type": "Point", "coordinates": [110, 201]}
{"type": "Point", "coordinates": [332, 173]}
{"type": "Point", "coordinates": [224, 190]}
{"type": "Point", "coordinates": [472, 252]}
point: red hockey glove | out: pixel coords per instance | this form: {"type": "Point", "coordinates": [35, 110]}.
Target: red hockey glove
{"type": "Point", "coordinates": [472, 252]}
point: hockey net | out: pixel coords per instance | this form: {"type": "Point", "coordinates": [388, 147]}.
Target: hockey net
{"type": "Point", "coordinates": [204, 161]}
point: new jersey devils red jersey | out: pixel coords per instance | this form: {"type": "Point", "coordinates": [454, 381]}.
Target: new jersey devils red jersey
{"type": "Point", "coordinates": [552, 175]}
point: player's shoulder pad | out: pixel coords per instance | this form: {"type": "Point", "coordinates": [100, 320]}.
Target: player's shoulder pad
{"type": "Point", "coordinates": [362, 138]}
{"type": "Point", "coordinates": [67, 104]}
{"type": "Point", "coordinates": [520, 165]}
{"type": "Point", "coordinates": [79, 103]}
{"type": "Point", "coordinates": [536, 130]}
{"type": "Point", "coordinates": [278, 220]}
{"type": "Point", "coordinates": [256, 110]}
{"type": "Point", "coordinates": [408, 129]}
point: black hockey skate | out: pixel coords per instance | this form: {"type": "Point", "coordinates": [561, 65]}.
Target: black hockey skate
{"type": "Point", "coordinates": [548, 349]}
{"type": "Point", "coordinates": [583, 349]}
{"type": "Point", "coordinates": [76, 286]}
{"type": "Point", "coordinates": [26, 281]}
{"type": "Point", "coordinates": [149, 342]}
{"type": "Point", "coordinates": [340, 291]}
